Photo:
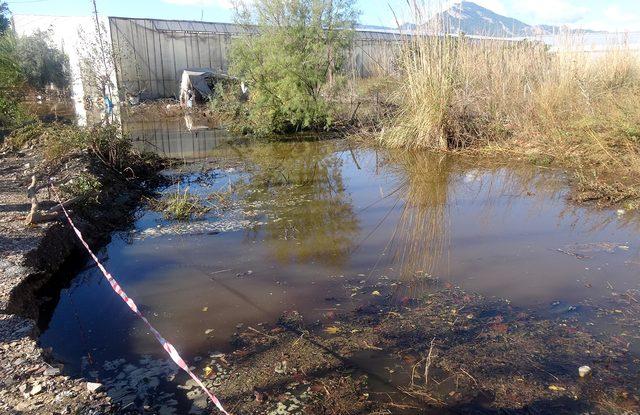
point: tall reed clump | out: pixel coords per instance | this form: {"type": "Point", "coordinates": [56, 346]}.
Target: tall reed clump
{"type": "Point", "coordinates": [572, 107]}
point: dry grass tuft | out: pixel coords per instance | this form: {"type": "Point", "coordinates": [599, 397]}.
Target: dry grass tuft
{"type": "Point", "coordinates": [578, 109]}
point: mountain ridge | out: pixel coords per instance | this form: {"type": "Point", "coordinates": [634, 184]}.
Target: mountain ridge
{"type": "Point", "coordinates": [472, 19]}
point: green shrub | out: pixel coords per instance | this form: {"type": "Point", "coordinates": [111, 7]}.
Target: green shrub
{"type": "Point", "coordinates": [24, 135]}
{"type": "Point", "coordinates": [180, 205]}
{"type": "Point", "coordinates": [293, 64]}
{"type": "Point", "coordinates": [83, 185]}
{"type": "Point", "coordinates": [41, 63]}
{"type": "Point", "coordinates": [11, 83]}
{"type": "Point", "coordinates": [61, 141]}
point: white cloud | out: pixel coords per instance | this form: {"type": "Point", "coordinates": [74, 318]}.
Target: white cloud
{"type": "Point", "coordinates": [616, 15]}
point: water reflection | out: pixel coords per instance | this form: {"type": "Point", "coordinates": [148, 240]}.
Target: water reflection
{"type": "Point", "coordinates": [421, 235]}
{"type": "Point", "coordinates": [305, 188]}
{"type": "Point", "coordinates": [189, 137]}
{"type": "Point", "coordinates": [458, 216]}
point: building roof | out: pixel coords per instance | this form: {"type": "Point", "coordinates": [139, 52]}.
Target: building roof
{"type": "Point", "coordinates": [195, 27]}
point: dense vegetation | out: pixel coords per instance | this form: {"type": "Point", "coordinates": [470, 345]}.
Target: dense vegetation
{"type": "Point", "coordinates": [42, 64]}
{"type": "Point", "coordinates": [293, 65]}
{"type": "Point", "coordinates": [4, 17]}
{"type": "Point", "coordinates": [26, 63]}
{"type": "Point", "coordinates": [577, 109]}
{"type": "Point", "coordinates": [11, 78]}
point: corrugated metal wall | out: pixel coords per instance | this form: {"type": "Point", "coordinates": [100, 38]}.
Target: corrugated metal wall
{"type": "Point", "coordinates": [150, 54]}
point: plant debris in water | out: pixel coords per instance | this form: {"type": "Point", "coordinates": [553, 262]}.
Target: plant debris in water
{"type": "Point", "coordinates": [449, 351]}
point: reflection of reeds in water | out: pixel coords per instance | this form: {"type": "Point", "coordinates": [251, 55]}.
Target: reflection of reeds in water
{"type": "Point", "coordinates": [421, 237]}
{"type": "Point", "coordinates": [421, 241]}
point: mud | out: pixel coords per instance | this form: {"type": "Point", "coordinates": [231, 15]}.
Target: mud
{"type": "Point", "coordinates": [480, 356]}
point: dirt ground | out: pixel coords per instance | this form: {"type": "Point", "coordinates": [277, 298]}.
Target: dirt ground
{"type": "Point", "coordinates": [30, 258]}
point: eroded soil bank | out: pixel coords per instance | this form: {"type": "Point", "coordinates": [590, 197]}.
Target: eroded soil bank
{"type": "Point", "coordinates": [31, 258]}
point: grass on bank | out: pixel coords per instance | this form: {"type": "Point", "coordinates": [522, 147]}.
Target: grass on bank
{"type": "Point", "coordinates": [580, 110]}
{"type": "Point", "coordinates": [60, 142]}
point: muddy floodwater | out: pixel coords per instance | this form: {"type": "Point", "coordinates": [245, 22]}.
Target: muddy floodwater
{"type": "Point", "coordinates": [308, 226]}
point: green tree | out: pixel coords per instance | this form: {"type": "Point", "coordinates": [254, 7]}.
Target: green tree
{"type": "Point", "coordinates": [41, 62]}
{"type": "Point", "coordinates": [11, 82]}
{"type": "Point", "coordinates": [293, 63]}
{"type": "Point", "coordinates": [5, 23]}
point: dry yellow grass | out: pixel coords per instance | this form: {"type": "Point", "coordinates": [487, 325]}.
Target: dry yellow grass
{"type": "Point", "coordinates": [574, 108]}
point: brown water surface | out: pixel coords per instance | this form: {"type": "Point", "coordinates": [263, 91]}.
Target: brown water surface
{"type": "Point", "coordinates": [308, 221]}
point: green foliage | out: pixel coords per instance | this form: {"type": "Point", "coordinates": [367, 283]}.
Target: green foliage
{"type": "Point", "coordinates": [62, 141]}
{"type": "Point", "coordinates": [105, 142]}
{"type": "Point", "coordinates": [181, 205]}
{"type": "Point", "coordinates": [4, 18]}
{"type": "Point", "coordinates": [83, 185]}
{"type": "Point", "coordinates": [20, 137]}
{"type": "Point", "coordinates": [293, 64]}
{"type": "Point", "coordinates": [59, 142]}
{"type": "Point", "coordinates": [230, 107]}
{"type": "Point", "coordinates": [11, 82]}
{"type": "Point", "coordinates": [41, 63]}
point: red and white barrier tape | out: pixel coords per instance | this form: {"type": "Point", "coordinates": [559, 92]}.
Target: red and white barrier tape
{"type": "Point", "coordinates": [168, 347]}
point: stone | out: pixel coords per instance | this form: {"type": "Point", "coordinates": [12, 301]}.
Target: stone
{"type": "Point", "coordinates": [37, 388]}
{"type": "Point", "coordinates": [51, 371]}
{"type": "Point", "coordinates": [584, 371]}
{"type": "Point", "coordinates": [93, 386]}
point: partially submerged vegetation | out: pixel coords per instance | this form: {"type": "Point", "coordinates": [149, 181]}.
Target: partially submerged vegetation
{"type": "Point", "coordinates": [573, 109]}
{"type": "Point", "coordinates": [456, 350]}
{"type": "Point", "coordinates": [576, 109]}
{"type": "Point", "coordinates": [449, 351]}
{"type": "Point", "coordinates": [180, 205]}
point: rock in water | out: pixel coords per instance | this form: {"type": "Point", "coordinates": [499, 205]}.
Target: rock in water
{"type": "Point", "coordinates": [584, 371]}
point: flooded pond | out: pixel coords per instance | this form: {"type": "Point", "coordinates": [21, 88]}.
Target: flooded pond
{"type": "Point", "coordinates": [324, 228]}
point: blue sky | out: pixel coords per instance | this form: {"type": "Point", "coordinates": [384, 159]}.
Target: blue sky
{"type": "Point", "coordinates": [614, 15]}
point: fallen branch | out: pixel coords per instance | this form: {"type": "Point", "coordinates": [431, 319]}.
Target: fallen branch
{"type": "Point", "coordinates": [35, 216]}
{"type": "Point", "coordinates": [67, 203]}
